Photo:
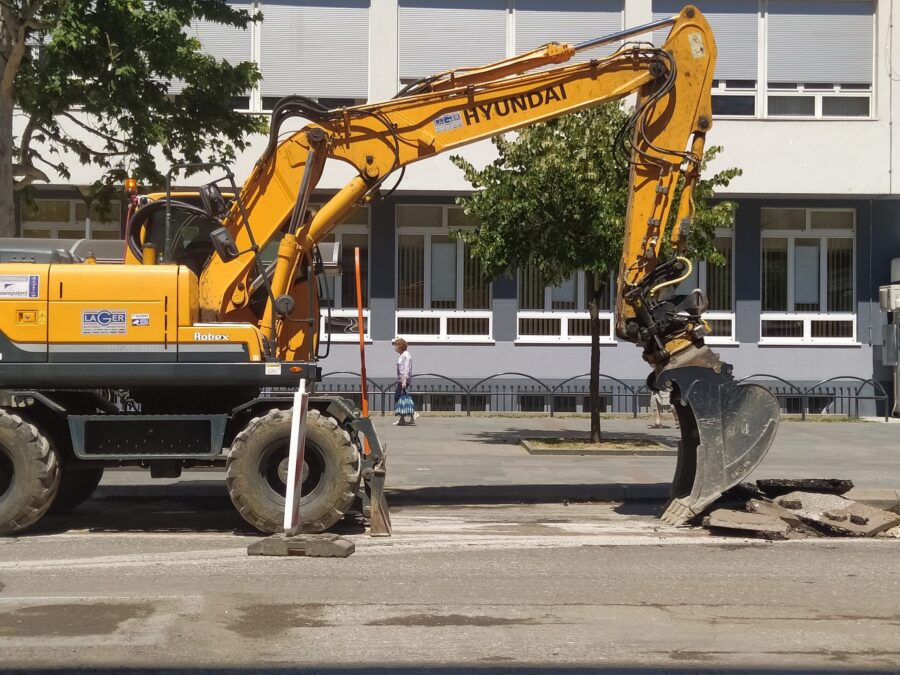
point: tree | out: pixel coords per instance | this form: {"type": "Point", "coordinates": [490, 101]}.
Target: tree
{"type": "Point", "coordinates": [91, 80]}
{"type": "Point", "coordinates": [555, 199]}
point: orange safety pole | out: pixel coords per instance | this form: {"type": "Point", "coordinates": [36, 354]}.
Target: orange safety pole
{"type": "Point", "coordinates": [362, 347]}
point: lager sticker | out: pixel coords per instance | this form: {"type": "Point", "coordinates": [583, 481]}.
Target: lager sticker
{"type": "Point", "coordinates": [103, 322]}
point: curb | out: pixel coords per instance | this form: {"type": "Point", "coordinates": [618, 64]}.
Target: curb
{"type": "Point", "coordinates": [475, 494]}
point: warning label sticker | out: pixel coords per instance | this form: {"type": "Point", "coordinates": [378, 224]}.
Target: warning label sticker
{"type": "Point", "coordinates": [19, 286]}
{"type": "Point", "coordinates": [103, 322]}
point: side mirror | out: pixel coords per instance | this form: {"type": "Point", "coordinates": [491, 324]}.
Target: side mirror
{"type": "Point", "coordinates": [224, 244]}
{"type": "Point", "coordinates": [213, 201]}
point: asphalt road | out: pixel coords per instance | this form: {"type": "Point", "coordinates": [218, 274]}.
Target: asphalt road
{"type": "Point", "coordinates": [505, 589]}
{"type": "Point", "coordinates": [153, 576]}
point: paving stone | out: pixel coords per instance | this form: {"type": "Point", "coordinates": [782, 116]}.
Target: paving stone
{"type": "Point", "coordinates": [777, 487]}
{"type": "Point", "coordinates": [745, 521]}
{"type": "Point", "coordinates": [836, 515]}
{"type": "Point", "coordinates": [310, 545]}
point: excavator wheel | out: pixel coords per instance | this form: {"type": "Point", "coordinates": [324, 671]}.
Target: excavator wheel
{"type": "Point", "coordinates": [76, 485]}
{"type": "Point", "coordinates": [29, 474]}
{"type": "Point", "coordinates": [256, 472]}
{"type": "Point", "coordinates": [727, 428]}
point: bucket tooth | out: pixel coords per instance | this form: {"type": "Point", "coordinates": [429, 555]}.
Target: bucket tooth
{"type": "Point", "coordinates": [726, 430]}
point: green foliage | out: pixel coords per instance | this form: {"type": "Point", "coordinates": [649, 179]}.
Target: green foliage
{"type": "Point", "coordinates": [556, 198]}
{"type": "Point", "coordinates": [97, 87]}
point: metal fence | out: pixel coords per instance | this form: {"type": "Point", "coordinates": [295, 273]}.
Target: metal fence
{"type": "Point", "coordinates": [523, 393]}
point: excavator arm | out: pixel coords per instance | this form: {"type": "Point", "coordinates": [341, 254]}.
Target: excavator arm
{"type": "Point", "coordinates": [726, 428]}
{"type": "Point", "coordinates": [453, 109]}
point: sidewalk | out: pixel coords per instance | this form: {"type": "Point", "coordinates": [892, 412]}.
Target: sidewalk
{"type": "Point", "coordinates": [478, 460]}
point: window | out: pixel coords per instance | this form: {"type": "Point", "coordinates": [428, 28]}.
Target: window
{"type": "Point", "coordinates": [815, 58]}
{"type": "Point", "coordinates": [717, 281]}
{"type": "Point", "coordinates": [559, 313]}
{"type": "Point", "coordinates": [574, 21]}
{"type": "Point", "coordinates": [317, 48]}
{"type": "Point", "coordinates": [441, 292]}
{"type": "Point", "coordinates": [70, 219]}
{"type": "Point", "coordinates": [819, 58]}
{"type": "Point", "coordinates": [735, 24]}
{"type": "Point", "coordinates": [807, 276]}
{"type": "Point", "coordinates": [353, 232]}
{"type": "Point", "coordinates": [225, 43]}
{"type": "Point", "coordinates": [439, 35]}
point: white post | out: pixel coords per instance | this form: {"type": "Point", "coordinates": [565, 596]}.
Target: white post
{"type": "Point", "coordinates": [295, 461]}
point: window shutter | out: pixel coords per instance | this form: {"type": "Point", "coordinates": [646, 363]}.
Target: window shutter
{"type": "Point", "coordinates": [226, 43]}
{"type": "Point", "coordinates": [735, 25]}
{"type": "Point", "coordinates": [439, 35]}
{"type": "Point", "coordinates": [316, 48]}
{"type": "Point", "coordinates": [821, 41]}
{"type": "Point", "coordinates": [573, 21]}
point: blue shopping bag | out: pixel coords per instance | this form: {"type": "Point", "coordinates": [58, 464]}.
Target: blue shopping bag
{"type": "Point", "coordinates": [404, 405]}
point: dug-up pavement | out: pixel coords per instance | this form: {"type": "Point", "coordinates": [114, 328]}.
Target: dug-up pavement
{"type": "Point", "coordinates": [479, 460]}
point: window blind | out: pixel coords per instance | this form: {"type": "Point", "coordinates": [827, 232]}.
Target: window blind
{"type": "Point", "coordinates": [735, 25]}
{"type": "Point", "coordinates": [573, 21]}
{"type": "Point", "coordinates": [317, 48]}
{"type": "Point", "coordinates": [226, 43]}
{"type": "Point", "coordinates": [438, 35]}
{"type": "Point", "coordinates": [820, 41]}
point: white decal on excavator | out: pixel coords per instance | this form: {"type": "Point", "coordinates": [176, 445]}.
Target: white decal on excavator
{"type": "Point", "coordinates": [697, 49]}
{"type": "Point", "coordinates": [210, 337]}
{"type": "Point", "coordinates": [448, 122]}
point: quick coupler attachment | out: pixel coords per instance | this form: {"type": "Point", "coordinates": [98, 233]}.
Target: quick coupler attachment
{"type": "Point", "coordinates": [374, 472]}
{"type": "Point", "coordinates": [726, 430]}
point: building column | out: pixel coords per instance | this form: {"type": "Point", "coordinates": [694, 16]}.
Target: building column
{"type": "Point", "coordinates": [382, 266]}
{"type": "Point", "coordinates": [504, 305]}
{"type": "Point", "coordinates": [747, 279]}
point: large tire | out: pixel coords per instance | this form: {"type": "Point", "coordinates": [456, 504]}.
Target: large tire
{"type": "Point", "coordinates": [76, 485]}
{"type": "Point", "coordinates": [29, 474]}
{"type": "Point", "coordinates": [256, 472]}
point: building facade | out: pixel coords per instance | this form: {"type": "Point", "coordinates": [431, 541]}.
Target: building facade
{"type": "Point", "coordinates": [803, 104]}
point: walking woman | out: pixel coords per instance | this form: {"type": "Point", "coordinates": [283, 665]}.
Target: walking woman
{"type": "Point", "coordinates": [403, 403]}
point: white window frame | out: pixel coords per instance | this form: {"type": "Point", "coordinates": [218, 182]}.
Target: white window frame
{"type": "Point", "coordinates": [719, 315]}
{"type": "Point", "coordinates": [562, 316]}
{"type": "Point", "coordinates": [443, 315]}
{"type": "Point", "coordinates": [809, 318]}
{"type": "Point", "coordinates": [338, 310]}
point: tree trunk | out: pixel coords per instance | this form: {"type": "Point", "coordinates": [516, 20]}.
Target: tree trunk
{"type": "Point", "coordinates": [594, 306]}
{"type": "Point", "coordinates": [7, 204]}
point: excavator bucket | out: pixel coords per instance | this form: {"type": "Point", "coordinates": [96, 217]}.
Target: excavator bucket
{"type": "Point", "coordinates": [726, 430]}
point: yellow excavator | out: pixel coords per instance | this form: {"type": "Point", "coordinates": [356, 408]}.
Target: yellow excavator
{"type": "Point", "coordinates": [186, 355]}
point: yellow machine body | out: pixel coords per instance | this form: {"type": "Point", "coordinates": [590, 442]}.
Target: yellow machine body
{"type": "Point", "coordinates": [126, 313]}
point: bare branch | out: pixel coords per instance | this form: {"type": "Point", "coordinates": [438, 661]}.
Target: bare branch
{"type": "Point", "coordinates": [111, 139]}
{"type": "Point", "coordinates": [79, 147]}
{"type": "Point", "coordinates": [29, 174]}
{"type": "Point", "coordinates": [25, 143]}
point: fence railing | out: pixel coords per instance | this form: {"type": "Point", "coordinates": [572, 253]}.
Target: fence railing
{"type": "Point", "coordinates": [520, 392]}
